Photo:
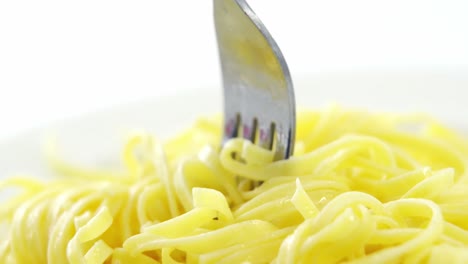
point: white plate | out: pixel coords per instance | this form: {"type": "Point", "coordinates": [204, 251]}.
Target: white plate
{"type": "Point", "coordinates": [96, 139]}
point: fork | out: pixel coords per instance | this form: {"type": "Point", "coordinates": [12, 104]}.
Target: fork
{"type": "Point", "coordinates": [259, 102]}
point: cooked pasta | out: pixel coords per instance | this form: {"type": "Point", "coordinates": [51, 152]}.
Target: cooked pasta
{"type": "Point", "coordinates": [360, 188]}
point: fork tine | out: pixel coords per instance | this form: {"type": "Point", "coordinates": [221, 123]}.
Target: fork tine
{"type": "Point", "coordinates": [232, 124]}
{"type": "Point", "coordinates": [249, 129]}
{"type": "Point", "coordinates": [266, 136]}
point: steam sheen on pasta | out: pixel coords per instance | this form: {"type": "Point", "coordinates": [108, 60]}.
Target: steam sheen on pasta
{"type": "Point", "coordinates": [360, 188]}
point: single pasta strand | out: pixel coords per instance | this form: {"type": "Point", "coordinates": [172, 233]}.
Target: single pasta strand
{"type": "Point", "coordinates": [205, 242]}
{"type": "Point", "coordinates": [98, 253]}
{"type": "Point", "coordinates": [241, 252]}
{"type": "Point", "coordinates": [96, 226]}
{"type": "Point", "coordinates": [303, 203]}
{"type": "Point", "coordinates": [433, 186]}
{"type": "Point", "coordinates": [163, 173]}
{"type": "Point", "coordinates": [184, 224]}
{"type": "Point", "coordinates": [121, 256]}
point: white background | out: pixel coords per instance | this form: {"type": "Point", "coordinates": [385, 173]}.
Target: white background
{"type": "Point", "coordinates": [62, 58]}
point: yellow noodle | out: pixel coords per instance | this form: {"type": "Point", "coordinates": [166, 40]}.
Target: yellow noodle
{"type": "Point", "coordinates": [360, 188]}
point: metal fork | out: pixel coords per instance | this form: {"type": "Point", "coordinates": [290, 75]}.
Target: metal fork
{"type": "Point", "coordinates": [259, 102]}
